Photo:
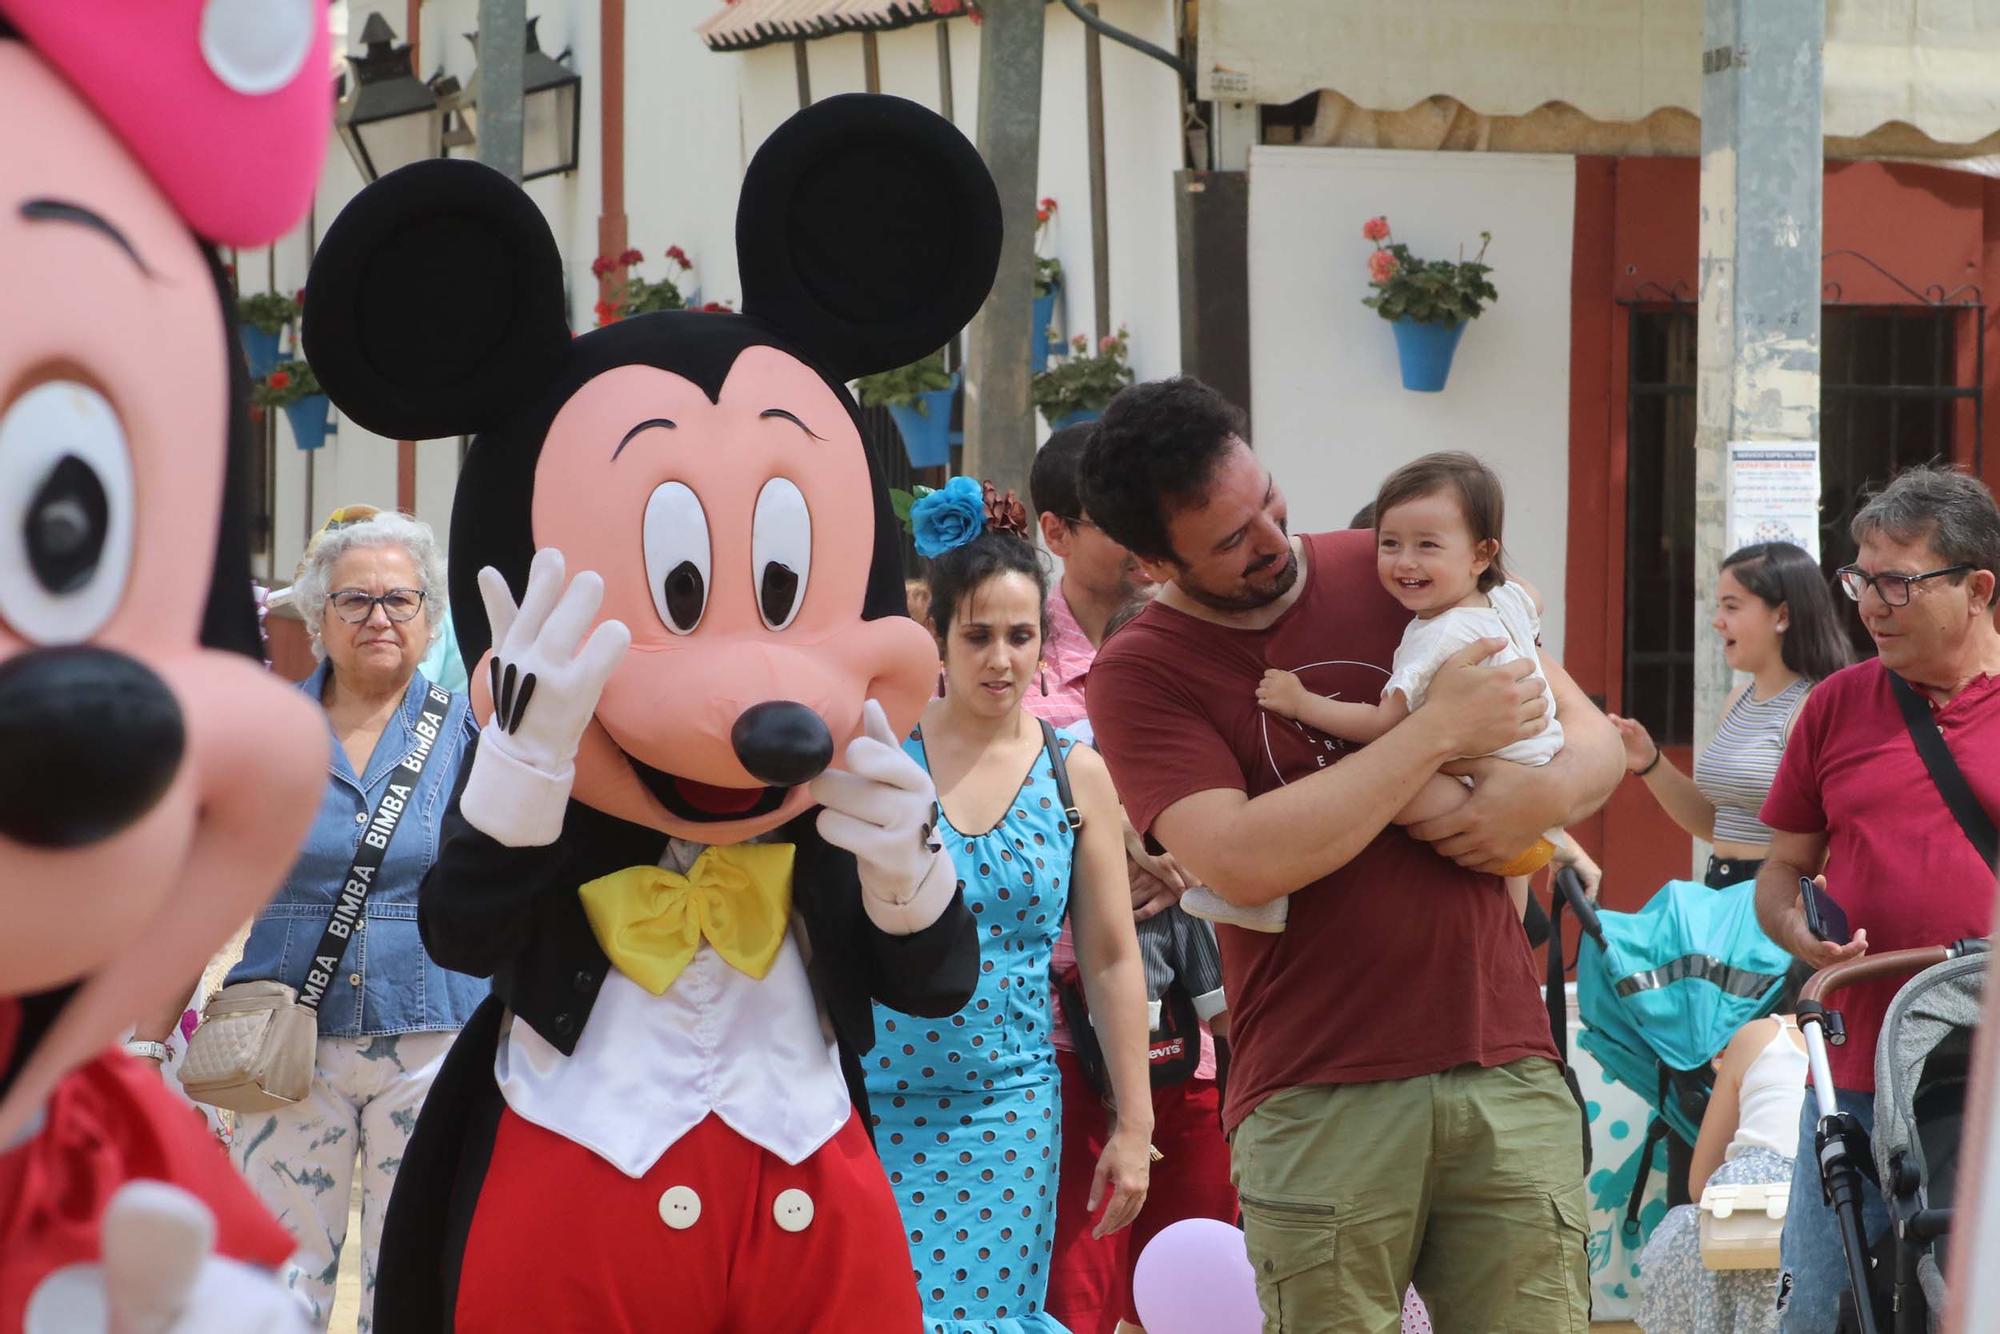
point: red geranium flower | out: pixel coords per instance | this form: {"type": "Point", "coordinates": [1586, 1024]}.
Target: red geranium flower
{"type": "Point", "coordinates": [631, 257]}
{"type": "Point", "coordinates": [679, 256]}
{"type": "Point", "coordinates": [947, 6]}
{"type": "Point", "coordinates": [1381, 266]}
{"type": "Point", "coordinates": [1047, 205]}
{"type": "Point", "coordinates": [602, 265]}
{"type": "Point", "coordinates": [1375, 229]}
{"type": "Point", "coordinates": [279, 379]}
{"type": "Point", "coordinates": [299, 297]}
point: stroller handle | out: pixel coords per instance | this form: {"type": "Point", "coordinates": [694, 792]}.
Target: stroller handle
{"type": "Point", "coordinates": [1569, 885]}
{"type": "Point", "coordinates": [1839, 976]}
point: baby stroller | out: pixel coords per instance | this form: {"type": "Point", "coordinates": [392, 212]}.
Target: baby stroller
{"type": "Point", "coordinates": [1660, 992]}
{"type": "Point", "coordinates": [1921, 1065]}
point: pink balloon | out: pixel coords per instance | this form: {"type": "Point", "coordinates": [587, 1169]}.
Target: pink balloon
{"type": "Point", "coordinates": [1195, 1278]}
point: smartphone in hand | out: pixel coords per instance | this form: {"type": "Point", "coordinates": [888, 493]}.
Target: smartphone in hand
{"type": "Point", "coordinates": [1824, 917]}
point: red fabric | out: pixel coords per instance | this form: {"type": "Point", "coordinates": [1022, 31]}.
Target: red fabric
{"type": "Point", "coordinates": [1897, 861]}
{"type": "Point", "coordinates": [107, 1124]}
{"type": "Point", "coordinates": [563, 1241]}
{"type": "Point", "coordinates": [1358, 987]}
{"type": "Point", "coordinates": [1090, 1279]}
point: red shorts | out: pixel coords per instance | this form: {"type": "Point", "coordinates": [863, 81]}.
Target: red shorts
{"type": "Point", "coordinates": [719, 1235]}
{"type": "Point", "coordinates": [1090, 1279]}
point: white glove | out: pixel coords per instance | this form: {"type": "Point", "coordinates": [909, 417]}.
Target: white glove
{"type": "Point", "coordinates": [544, 692]}
{"type": "Point", "coordinates": [880, 809]}
{"type": "Point", "coordinates": [159, 1276]}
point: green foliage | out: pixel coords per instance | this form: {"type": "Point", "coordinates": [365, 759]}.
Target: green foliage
{"type": "Point", "coordinates": [1083, 381]}
{"type": "Point", "coordinates": [1048, 275]}
{"type": "Point", "coordinates": [268, 312]}
{"type": "Point", "coordinates": [899, 387]}
{"type": "Point", "coordinates": [900, 502]}
{"type": "Point", "coordinates": [288, 382]}
{"type": "Point", "coordinates": [1438, 291]}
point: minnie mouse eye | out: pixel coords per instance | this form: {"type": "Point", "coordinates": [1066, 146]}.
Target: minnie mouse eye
{"type": "Point", "coordinates": [677, 556]}
{"type": "Point", "coordinates": [781, 551]}
{"type": "Point", "coordinates": [66, 502]}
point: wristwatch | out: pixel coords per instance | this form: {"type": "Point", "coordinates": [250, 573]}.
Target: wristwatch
{"type": "Point", "coordinates": [152, 1051]}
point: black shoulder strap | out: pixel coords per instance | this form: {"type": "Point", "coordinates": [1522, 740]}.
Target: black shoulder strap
{"type": "Point", "coordinates": [1060, 769]}
{"type": "Point", "coordinates": [1950, 780]}
{"type": "Point", "coordinates": [375, 836]}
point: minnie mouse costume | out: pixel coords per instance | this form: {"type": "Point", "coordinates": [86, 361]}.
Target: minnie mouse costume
{"type": "Point", "coordinates": [154, 780]}
{"type": "Point", "coordinates": [675, 574]}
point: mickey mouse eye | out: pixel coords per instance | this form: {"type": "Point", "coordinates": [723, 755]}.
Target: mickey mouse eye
{"type": "Point", "coordinates": [675, 533]}
{"type": "Point", "coordinates": [780, 551]}
{"type": "Point", "coordinates": [66, 503]}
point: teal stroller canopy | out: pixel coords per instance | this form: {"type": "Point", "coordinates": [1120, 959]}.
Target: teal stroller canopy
{"type": "Point", "coordinates": [1669, 985]}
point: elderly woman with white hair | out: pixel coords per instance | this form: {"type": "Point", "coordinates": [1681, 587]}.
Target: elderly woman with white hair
{"type": "Point", "coordinates": [372, 592]}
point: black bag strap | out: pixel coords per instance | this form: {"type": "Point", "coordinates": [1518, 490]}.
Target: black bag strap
{"type": "Point", "coordinates": [1950, 780]}
{"type": "Point", "coordinates": [368, 854]}
{"type": "Point", "coordinates": [1060, 769]}
{"type": "Point", "coordinates": [1657, 1131]}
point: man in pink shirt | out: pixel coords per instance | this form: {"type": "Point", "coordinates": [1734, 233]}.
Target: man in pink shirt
{"type": "Point", "coordinates": [1855, 804]}
{"type": "Point", "coordinates": [1089, 1276]}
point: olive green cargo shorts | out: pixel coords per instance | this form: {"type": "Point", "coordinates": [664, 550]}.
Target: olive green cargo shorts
{"type": "Point", "coordinates": [1469, 1183]}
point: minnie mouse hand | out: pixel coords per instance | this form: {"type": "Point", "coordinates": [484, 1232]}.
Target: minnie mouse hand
{"type": "Point", "coordinates": [879, 808]}
{"type": "Point", "coordinates": [544, 692]}
{"type": "Point", "coordinates": [159, 1276]}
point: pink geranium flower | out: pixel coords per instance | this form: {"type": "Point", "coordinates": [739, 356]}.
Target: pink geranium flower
{"type": "Point", "coordinates": [1376, 230]}
{"type": "Point", "coordinates": [1381, 266]}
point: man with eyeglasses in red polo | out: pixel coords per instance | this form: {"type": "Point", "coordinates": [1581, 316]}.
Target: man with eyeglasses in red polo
{"type": "Point", "coordinates": [1856, 805]}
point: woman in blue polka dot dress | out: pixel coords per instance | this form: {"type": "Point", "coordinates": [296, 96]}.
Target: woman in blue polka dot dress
{"type": "Point", "coordinates": [966, 1112]}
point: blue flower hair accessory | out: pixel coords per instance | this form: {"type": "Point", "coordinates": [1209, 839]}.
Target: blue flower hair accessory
{"type": "Point", "coordinates": [944, 519]}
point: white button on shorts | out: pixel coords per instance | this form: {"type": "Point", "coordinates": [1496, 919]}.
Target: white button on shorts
{"type": "Point", "coordinates": [680, 1207]}
{"type": "Point", "coordinates": [794, 1210]}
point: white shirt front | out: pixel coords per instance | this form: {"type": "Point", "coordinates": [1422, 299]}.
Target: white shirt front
{"type": "Point", "coordinates": [1427, 642]}
{"type": "Point", "coordinates": [647, 1069]}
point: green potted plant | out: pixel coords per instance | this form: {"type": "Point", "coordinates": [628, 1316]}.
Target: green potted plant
{"type": "Point", "coordinates": [634, 295]}
{"type": "Point", "coordinates": [919, 397]}
{"type": "Point", "coordinates": [1428, 302]}
{"type": "Point", "coordinates": [260, 322]}
{"type": "Point", "coordinates": [291, 385]}
{"type": "Point", "coordinates": [1079, 386]}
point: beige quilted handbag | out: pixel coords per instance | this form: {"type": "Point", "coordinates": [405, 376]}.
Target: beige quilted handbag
{"type": "Point", "coordinates": [254, 1049]}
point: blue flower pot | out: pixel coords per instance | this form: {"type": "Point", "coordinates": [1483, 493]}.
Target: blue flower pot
{"type": "Point", "coordinates": [926, 426]}
{"type": "Point", "coordinates": [260, 349]}
{"type": "Point", "coordinates": [311, 418]}
{"type": "Point", "coordinates": [1425, 351]}
{"type": "Point", "coordinates": [1072, 418]}
{"type": "Point", "coordinates": [1039, 346]}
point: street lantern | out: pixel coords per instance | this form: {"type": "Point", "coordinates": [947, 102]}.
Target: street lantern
{"type": "Point", "coordinates": [387, 117]}
{"type": "Point", "coordinates": [551, 100]}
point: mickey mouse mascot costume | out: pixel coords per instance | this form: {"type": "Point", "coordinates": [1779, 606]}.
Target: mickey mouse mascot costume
{"type": "Point", "coordinates": [154, 780]}
{"type": "Point", "coordinates": [691, 602]}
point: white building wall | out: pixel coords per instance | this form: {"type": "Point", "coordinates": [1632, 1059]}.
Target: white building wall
{"type": "Point", "coordinates": [1332, 418]}
{"type": "Point", "coordinates": [693, 118]}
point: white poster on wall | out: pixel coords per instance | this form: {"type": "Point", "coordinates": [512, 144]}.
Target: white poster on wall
{"type": "Point", "coordinates": [1773, 493]}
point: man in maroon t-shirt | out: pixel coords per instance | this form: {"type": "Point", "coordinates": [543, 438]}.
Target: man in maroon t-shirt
{"type": "Point", "coordinates": [1854, 801]}
{"type": "Point", "coordinates": [1395, 1105]}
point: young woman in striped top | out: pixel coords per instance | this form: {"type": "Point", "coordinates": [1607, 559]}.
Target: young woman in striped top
{"type": "Point", "coordinates": [1777, 623]}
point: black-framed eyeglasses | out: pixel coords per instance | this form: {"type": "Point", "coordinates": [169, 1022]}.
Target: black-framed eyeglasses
{"type": "Point", "coordinates": [398, 604]}
{"type": "Point", "coordinates": [1893, 589]}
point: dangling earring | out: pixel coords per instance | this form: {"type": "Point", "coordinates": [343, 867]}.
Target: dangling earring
{"type": "Point", "coordinates": [1045, 683]}
{"type": "Point", "coordinates": [940, 685]}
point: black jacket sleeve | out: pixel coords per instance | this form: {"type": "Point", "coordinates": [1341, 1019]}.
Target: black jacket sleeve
{"type": "Point", "coordinates": [476, 906]}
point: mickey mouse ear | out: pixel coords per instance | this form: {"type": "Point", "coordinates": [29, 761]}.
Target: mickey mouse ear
{"type": "Point", "coordinates": [435, 302]}
{"type": "Point", "coordinates": [868, 232]}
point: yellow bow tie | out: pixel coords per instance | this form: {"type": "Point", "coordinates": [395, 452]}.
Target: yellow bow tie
{"type": "Point", "coordinates": [650, 921]}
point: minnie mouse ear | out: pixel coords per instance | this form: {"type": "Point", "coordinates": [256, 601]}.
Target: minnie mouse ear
{"type": "Point", "coordinates": [435, 302]}
{"type": "Point", "coordinates": [868, 232]}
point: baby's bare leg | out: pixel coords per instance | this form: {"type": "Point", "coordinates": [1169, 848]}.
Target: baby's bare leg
{"type": "Point", "coordinates": [1440, 795]}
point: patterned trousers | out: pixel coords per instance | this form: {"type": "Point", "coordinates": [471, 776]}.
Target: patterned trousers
{"type": "Point", "coordinates": [301, 1160]}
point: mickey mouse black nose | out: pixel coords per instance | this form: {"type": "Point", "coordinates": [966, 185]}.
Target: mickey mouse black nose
{"type": "Point", "coordinates": [782, 743]}
{"type": "Point", "coordinates": [89, 739]}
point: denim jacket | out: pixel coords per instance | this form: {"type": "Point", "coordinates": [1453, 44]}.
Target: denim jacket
{"type": "Point", "coordinates": [400, 989]}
